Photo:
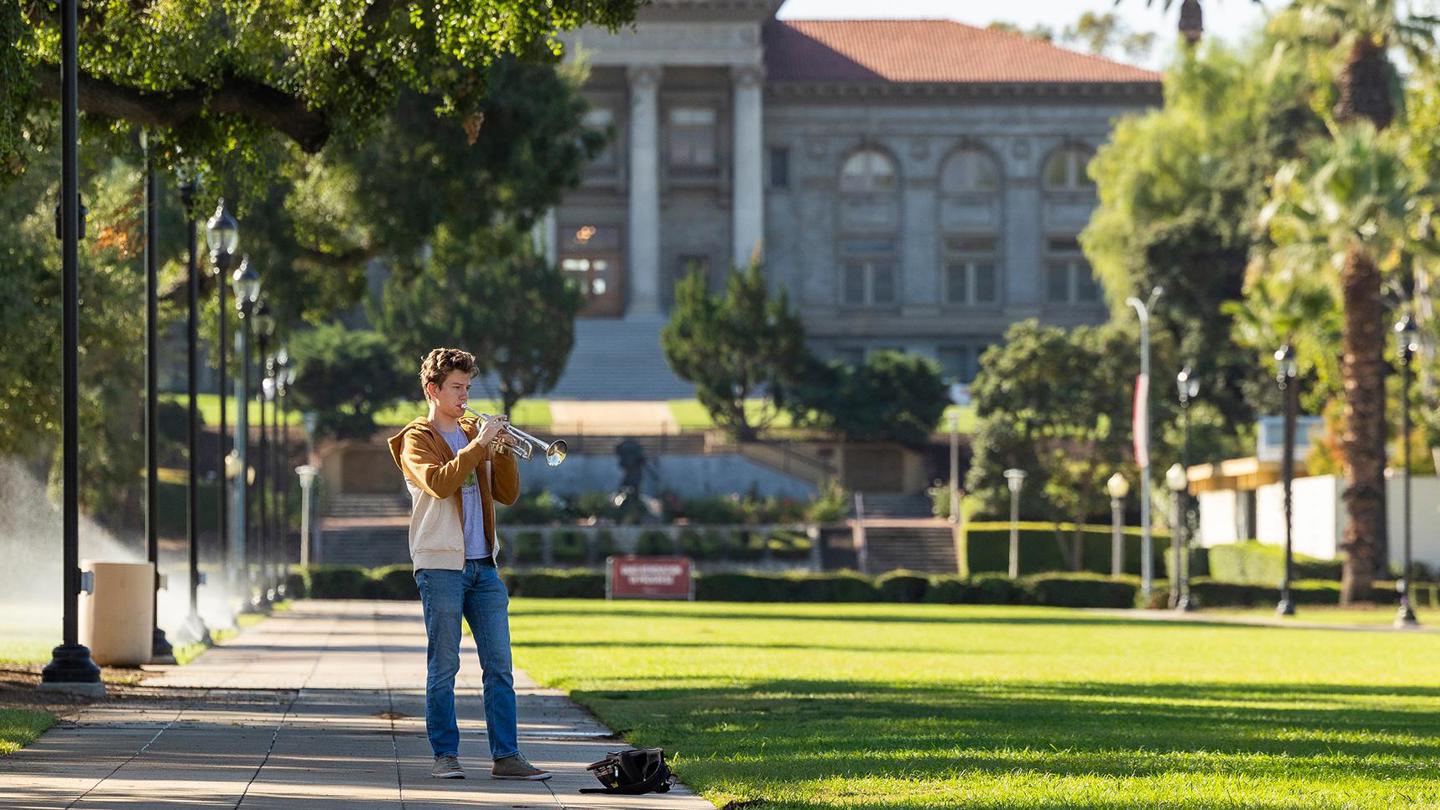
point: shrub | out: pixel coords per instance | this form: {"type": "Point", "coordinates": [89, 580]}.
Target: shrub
{"type": "Point", "coordinates": [597, 505]}
{"type": "Point", "coordinates": [339, 582]}
{"type": "Point", "coordinates": [524, 547]}
{"type": "Point", "coordinates": [739, 588]}
{"type": "Point", "coordinates": [539, 509]}
{"type": "Point", "coordinates": [902, 586]}
{"type": "Point", "coordinates": [699, 546]}
{"type": "Point", "coordinates": [654, 543]}
{"type": "Point", "coordinates": [840, 587]}
{"type": "Point", "coordinates": [1080, 590]}
{"type": "Point", "coordinates": [787, 544]}
{"type": "Point", "coordinates": [985, 547]}
{"type": "Point", "coordinates": [995, 589]}
{"type": "Point", "coordinates": [396, 581]}
{"type": "Point", "coordinates": [713, 509]}
{"type": "Point", "coordinates": [296, 586]}
{"type": "Point", "coordinates": [568, 546]}
{"type": "Point", "coordinates": [1254, 562]}
{"type": "Point", "coordinates": [832, 505]}
{"type": "Point", "coordinates": [949, 590]}
{"type": "Point", "coordinates": [604, 545]}
{"type": "Point", "coordinates": [747, 545]}
{"type": "Point", "coordinates": [556, 584]}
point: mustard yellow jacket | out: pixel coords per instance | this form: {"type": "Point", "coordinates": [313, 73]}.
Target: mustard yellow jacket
{"type": "Point", "coordinates": [434, 475]}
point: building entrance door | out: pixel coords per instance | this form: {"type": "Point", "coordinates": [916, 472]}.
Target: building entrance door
{"type": "Point", "coordinates": [591, 259]}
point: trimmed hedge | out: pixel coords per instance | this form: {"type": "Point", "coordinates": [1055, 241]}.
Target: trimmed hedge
{"type": "Point", "coordinates": [985, 547]}
{"type": "Point", "coordinates": [556, 584]}
{"type": "Point", "coordinates": [903, 586]}
{"type": "Point", "coordinates": [1258, 563]}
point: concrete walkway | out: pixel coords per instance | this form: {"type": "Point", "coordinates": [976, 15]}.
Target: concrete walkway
{"type": "Point", "coordinates": [318, 707]}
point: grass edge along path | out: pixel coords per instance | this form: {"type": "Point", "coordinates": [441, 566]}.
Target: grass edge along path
{"type": "Point", "coordinates": [20, 727]}
{"type": "Point", "coordinates": [804, 707]}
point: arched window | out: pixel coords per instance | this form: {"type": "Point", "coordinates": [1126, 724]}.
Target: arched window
{"type": "Point", "coordinates": [868, 171]}
{"type": "Point", "coordinates": [1065, 170]}
{"type": "Point", "coordinates": [969, 171]}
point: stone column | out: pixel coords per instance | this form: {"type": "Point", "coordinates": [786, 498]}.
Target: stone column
{"type": "Point", "coordinates": [644, 216]}
{"type": "Point", "coordinates": [748, 209]}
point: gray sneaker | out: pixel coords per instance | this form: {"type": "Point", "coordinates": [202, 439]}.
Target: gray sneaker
{"type": "Point", "coordinates": [447, 767]}
{"type": "Point", "coordinates": [517, 767]}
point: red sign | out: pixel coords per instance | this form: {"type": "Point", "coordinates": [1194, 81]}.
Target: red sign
{"type": "Point", "coordinates": [649, 578]}
{"type": "Point", "coordinates": [1140, 421]}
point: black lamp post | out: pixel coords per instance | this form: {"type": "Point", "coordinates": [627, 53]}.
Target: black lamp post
{"type": "Point", "coordinates": [1408, 340]}
{"type": "Point", "coordinates": [71, 668]}
{"type": "Point", "coordinates": [161, 651]}
{"type": "Point", "coordinates": [222, 234]}
{"type": "Point", "coordinates": [194, 628]}
{"type": "Point", "coordinates": [1187, 385]}
{"type": "Point", "coordinates": [284, 376]}
{"type": "Point", "coordinates": [264, 328]}
{"type": "Point", "coordinates": [246, 285]}
{"type": "Point", "coordinates": [1286, 371]}
{"type": "Point", "coordinates": [268, 396]}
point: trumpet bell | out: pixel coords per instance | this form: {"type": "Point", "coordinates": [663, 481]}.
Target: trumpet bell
{"type": "Point", "coordinates": [556, 452]}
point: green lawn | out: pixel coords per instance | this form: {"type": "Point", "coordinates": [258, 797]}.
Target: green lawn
{"type": "Point", "coordinates": [529, 413]}
{"type": "Point", "coordinates": [930, 706]}
{"type": "Point", "coordinates": [20, 727]}
{"type": "Point", "coordinates": [691, 415]}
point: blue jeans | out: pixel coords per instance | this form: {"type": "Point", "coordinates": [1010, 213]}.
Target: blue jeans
{"type": "Point", "coordinates": [478, 594]}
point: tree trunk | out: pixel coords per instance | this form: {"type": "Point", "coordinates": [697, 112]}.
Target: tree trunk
{"type": "Point", "coordinates": [1363, 440]}
{"type": "Point", "coordinates": [1365, 86]}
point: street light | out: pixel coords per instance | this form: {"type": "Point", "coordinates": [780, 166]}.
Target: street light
{"type": "Point", "coordinates": [71, 669]}
{"type": "Point", "coordinates": [954, 468]}
{"type": "Point", "coordinates": [1408, 339]}
{"type": "Point", "coordinates": [195, 629]}
{"type": "Point", "coordinates": [1015, 479]}
{"type": "Point", "coordinates": [222, 234]}
{"type": "Point", "coordinates": [161, 651]}
{"type": "Point", "coordinates": [1118, 488]}
{"type": "Point", "coordinates": [307, 473]}
{"type": "Point", "coordinates": [1176, 478]}
{"type": "Point", "coordinates": [1141, 428]}
{"type": "Point", "coordinates": [1286, 370]}
{"type": "Point", "coordinates": [1192, 23]}
{"type": "Point", "coordinates": [246, 284]}
{"type": "Point", "coordinates": [264, 328]}
{"type": "Point", "coordinates": [284, 376]}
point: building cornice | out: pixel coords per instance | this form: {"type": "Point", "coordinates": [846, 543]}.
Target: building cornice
{"type": "Point", "coordinates": [1141, 92]}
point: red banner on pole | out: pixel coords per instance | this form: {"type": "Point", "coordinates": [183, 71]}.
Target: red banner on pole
{"type": "Point", "coordinates": [633, 577]}
{"type": "Point", "coordinates": [1140, 421]}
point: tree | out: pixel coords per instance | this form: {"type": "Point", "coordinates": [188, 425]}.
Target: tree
{"type": "Point", "coordinates": [1180, 188]}
{"type": "Point", "coordinates": [1102, 34]}
{"type": "Point", "coordinates": [495, 296]}
{"type": "Point", "coordinates": [345, 376]}
{"type": "Point", "coordinates": [1350, 208]}
{"type": "Point", "coordinates": [210, 80]}
{"type": "Point", "coordinates": [1069, 438]}
{"type": "Point", "coordinates": [735, 346]}
{"type": "Point", "coordinates": [891, 397]}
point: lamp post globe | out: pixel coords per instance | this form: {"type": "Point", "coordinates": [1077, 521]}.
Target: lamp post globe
{"type": "Point", "coordinates": [222, 233]}
{"type": "Point", "coordinates": [1118, 488]}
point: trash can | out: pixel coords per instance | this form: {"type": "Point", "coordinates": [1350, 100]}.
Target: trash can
{"type": "Point", "coordinates": [117, 620]}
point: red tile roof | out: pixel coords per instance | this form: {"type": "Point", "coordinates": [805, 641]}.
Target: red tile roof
{"type": "Point", "coordinates": [926, 51]}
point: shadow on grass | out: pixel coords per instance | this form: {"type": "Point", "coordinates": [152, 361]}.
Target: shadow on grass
{"type": "Point", "coordinates": [767, 735]}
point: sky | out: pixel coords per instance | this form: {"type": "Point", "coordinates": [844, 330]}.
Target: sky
{"type": "Point", "coordinates": [1226, 19]}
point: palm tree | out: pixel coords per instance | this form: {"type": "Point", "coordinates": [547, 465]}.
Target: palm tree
{"type": "Point", "coordinates": [1350, 207]}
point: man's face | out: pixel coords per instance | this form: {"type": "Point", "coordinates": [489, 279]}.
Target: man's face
{"type": "Point", "coordinates": [450, 397]}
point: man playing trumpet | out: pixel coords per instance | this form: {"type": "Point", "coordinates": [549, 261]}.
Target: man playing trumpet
{"type": "Point", "coordinates": [455, 470]}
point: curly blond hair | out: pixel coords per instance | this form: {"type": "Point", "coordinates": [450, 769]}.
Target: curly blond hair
{"type": "Point", "coordinates": [439, 363]}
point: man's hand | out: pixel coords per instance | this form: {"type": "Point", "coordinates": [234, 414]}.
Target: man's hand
{"type": "Point", "coordinates": [492, 429]}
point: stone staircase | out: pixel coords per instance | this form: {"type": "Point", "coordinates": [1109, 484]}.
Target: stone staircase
{"type": "Point", "coordinates": [366, 546]}
{"type": "Point", "coordinates": [617, 359]}
{"type": "Point", "coordinates": [927, 546]}
{"type": "Point", "coordinates": [368, 506]}
{"type": "Point", "coordinates": [886, 505]}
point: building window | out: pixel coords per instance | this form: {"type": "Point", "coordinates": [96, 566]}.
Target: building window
{"type": "Point", "coordinates": [868, 272]}
{"type": "Point", "coordinates": [1065, 170]}
{"type": "Point", "coordinates": [602, 120]}
{"type": "Point", "coordinates": [591, 259]}
{"type": "Point", "coordinates": [1068, 277]}
{"type": "Point", "coordinates": [868, 171]}
{"type": "Point", "coordinates": [970, 270]}
{"type": "Point", "coordinates": [779, 167]}
{"type": "Point", "coordinates": [968, 172]}
{"type": "Point", "coordinates": [850, 355]}
{"type": "Point", "coordinates": [692, 138]}
{"type": "Point", "coordinates": [961, 362]}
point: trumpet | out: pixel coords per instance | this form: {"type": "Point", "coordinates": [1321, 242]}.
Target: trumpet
{"type": "Point", "coordinates": [555, 451]}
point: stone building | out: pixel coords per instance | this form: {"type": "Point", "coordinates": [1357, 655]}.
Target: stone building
{"type": "Point", "coordinates": [916, 185]}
